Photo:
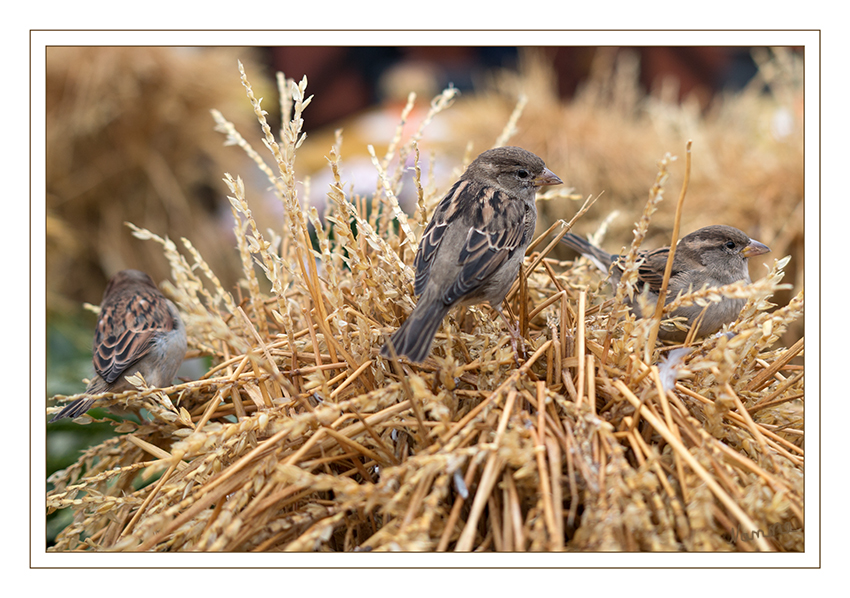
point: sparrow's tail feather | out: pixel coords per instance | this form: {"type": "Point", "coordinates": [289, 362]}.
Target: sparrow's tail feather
{"type": "Point", "coordinates": [600, 258]}
{"type": "Point", "coordinates": [80, 406]}
{"type": "Point", "coordinates": [74, 409]}
{"type": "Point", "coordinates": [413, 339]}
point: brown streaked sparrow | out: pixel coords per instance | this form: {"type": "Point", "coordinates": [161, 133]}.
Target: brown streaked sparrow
{"type": "Point", "coordinates": [714, 256]}
{"type": "Point", "coordinates": [138, 330]}
{"type": "Point", "coordinates": [472, 249]}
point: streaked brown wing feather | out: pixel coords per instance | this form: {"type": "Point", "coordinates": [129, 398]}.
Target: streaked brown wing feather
{"type": "Point", "coordinates": [488, 247]}
{"type": "Point", "coordinates": [651, 272]}
{"type": "Point", "coordinates": [428, 246]}
{"type": "Point", "coordinates": [446, 211]}
{"type": "Point", "coordinates": [125, 328]}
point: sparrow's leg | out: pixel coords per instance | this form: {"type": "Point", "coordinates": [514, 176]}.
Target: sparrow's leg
{"type": "Point", "coordinates": [516, 337]}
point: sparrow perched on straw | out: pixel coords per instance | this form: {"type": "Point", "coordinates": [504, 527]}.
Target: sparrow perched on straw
{"type": "Point", "coordinates": [138, 330]}
{"type": "Point", "coordinates": [472, 248]}
{"type": "Point", "coordinates": [713, 256]}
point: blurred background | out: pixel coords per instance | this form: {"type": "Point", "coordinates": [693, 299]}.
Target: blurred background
{"type": "Point", "coordinates": [130, 138]}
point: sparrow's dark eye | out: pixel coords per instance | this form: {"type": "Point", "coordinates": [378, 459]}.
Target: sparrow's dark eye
{"type": "Point", "coordinates": [730, 244]}
{"type": "Point", "coordinates": [522, 173]}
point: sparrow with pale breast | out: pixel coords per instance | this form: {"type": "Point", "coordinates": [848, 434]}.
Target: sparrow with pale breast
{"type": "Point", "coordinates": [472, 249]}
{"type": "Point", "coordinates": [138, 330]}
{"type": "Point", "coordinates": [711, 256]}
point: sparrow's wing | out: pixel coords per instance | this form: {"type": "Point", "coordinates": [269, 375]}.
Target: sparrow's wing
{"type": "Point", "coordinates": [651, 272]}
{"type": "Point", "coordinates": [497, 224]}
{"type": "Point", "coordinates": [446, 212]}
{"type": "Point", "coordinates": [128, 320]}
{"type": "Point", "coordinates": [428, 246]}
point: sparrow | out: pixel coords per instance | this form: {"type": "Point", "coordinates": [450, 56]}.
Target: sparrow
{"type": "Point", "coordinates": [711, 256]}
{"type": "Point", "coordinates": [138, 330]}
{"type": "Point", "coordinates": [474, 244]}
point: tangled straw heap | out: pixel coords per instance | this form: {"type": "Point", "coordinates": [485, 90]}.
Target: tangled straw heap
{"type": "Point", "coordinates": [301, 438]}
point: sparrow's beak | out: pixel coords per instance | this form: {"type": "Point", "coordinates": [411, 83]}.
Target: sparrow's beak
{"type": "Point", "coordinates": [547, 177]}
{"type": "Point", "coordinates": [754, 248]}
